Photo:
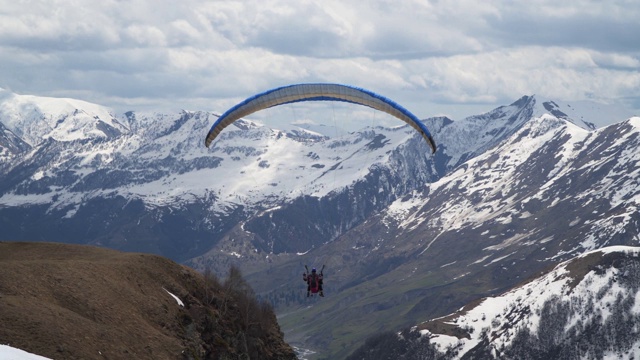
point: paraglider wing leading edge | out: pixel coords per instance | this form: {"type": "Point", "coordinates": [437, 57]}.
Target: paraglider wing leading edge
{"type": "Point", "coordinates": [317, 92]}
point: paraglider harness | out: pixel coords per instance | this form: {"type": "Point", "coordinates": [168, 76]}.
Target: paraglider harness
{"type": "Point", "coordinates": [314, 281]}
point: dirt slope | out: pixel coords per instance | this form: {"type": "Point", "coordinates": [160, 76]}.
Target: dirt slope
{"type": "Point", "coordinates": [80, 302]}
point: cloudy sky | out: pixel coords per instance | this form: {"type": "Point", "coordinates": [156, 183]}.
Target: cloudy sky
{"type": "Point", "coordinates": [438, 57]}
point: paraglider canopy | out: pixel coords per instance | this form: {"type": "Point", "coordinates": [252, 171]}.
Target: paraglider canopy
{"type": "Point", "coordinates": [317, 92]}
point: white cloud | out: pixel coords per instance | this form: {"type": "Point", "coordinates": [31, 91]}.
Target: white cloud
{"type": "Point", "coordinates": [146, 35]}
{"type": "Point", "coordinates": [434, 57]}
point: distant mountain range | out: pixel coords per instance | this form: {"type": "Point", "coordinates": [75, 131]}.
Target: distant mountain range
{"type": "Point", "coordinates": [145, 182]}
{"type": "Point", "coordinates": [406, 236]}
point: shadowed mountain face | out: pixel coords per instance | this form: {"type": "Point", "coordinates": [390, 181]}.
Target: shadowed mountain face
{"type": "Point", "coordinates": [71, 301]}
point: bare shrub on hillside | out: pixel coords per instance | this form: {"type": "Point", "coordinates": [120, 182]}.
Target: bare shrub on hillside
{"type": "Point", "coordinates": [212, 286]}
{"type": "Point", "coordinates": [255, 320]}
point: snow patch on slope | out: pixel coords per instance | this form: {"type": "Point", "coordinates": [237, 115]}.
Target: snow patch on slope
{"type": "Point", "coordinates": [503, 316]}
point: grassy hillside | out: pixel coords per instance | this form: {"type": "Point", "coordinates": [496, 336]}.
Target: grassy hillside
{"type": "Point", "coordinates": [71, 301]}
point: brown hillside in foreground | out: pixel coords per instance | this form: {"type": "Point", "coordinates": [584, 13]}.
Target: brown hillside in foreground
{"type": "Point", "coordinates": [80, 302]}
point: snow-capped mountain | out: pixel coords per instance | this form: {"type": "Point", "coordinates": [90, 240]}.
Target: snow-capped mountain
{"type": "Point", "coordinates": [584, 181]}
{"type": "Point", "coordinates": [507, 194]}
{"type": "Point", "coordinates": [34, 119]}
{"type": "Point", "coordinates": [465, 139]}
{"type": "Point", "coordinates": [145, 181]}
{"type": "Point", "coordinates": [545, 191]}
{"type": "Point", "coordinates": [567, 311]}
{"type": "Point", "coordinates": [584, 308]}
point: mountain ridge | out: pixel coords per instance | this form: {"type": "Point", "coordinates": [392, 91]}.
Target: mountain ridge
{"type": "Point", "coordinates": [508, 193]}
{"type": "Point", "coordinates": [72, 301]}
{"type": "Point", "coordinates": [493, 221]}
{"type": "Point", "coordinates": [582, 307]}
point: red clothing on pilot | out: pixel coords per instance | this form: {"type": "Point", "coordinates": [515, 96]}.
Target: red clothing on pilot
{"type": "Point", "coordinates": [312, 278]}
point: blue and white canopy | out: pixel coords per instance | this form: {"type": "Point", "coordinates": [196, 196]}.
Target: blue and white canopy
{"type": "Point", "coordinates": [317, 92]}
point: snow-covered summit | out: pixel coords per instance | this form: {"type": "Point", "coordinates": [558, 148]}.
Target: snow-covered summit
{"type": "Point", "coordinates": [590, 115]}
{"type": "Point", "coordinates": [36, 118]}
